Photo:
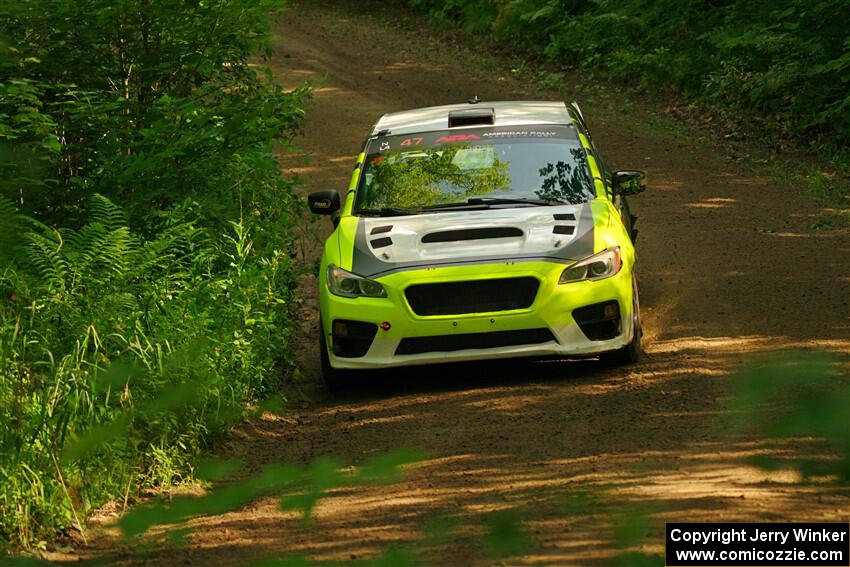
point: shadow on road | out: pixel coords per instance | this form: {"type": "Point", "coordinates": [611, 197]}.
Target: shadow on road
{"type": "Point", "coordinates": [378, 384]}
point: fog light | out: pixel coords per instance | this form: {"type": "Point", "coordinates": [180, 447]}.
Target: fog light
{"type": "Point", "coordinates": [340, 329]}
{"type": "Point", "coordinates": [599, 321]}
{"type": "Point", "coordinates": [352, 339]}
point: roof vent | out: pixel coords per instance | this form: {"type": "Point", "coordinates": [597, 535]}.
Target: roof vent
{"type": "Point", "coordinates": [474, 117]}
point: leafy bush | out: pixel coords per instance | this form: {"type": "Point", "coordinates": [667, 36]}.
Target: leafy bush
{"type": "Point", "coordinates": [788, 62]}
{"type": "Point", "coordinates": [798, 395]}
{"type": "Point", "coordinates": [148, 103]}
{"type": "Point", "coordinates": [145, 232]}
{"type": "Point", "coordinates": [99, 320]}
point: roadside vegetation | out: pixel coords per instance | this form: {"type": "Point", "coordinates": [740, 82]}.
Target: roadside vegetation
{"type": "Point", "coordinates": [776, 72]}
{"type": "Point", "coordinates": [145, 238]}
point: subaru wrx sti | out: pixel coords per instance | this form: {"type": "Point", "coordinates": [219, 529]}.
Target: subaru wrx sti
{"type": "Point", "coordinates": [479, 231]}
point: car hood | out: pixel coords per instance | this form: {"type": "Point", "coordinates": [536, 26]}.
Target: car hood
{"type": "Point", "coordinates": [384, 245]}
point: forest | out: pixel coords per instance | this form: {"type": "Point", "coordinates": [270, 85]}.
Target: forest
{"type": "Point", "coordinates": [146, 235]}
{"type": "Point", "coordinates": [782, 66]}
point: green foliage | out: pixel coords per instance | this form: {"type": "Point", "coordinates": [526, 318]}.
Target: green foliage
{"type": "Point", "coordinates": [29, 145]}
{"type": "Point", "coordinates": [295, 487]}
{"type": "Point", "coordinates": [387, 467]}
{"type": "Point", "coordinates": [630, 533]}
{"type": "Point", "coordinates": [505, 535]}
{"type": "Point", "coordinates": [798, 395]}
{"type": "Point", "coordinates": [148, 104]}
{"type": "Point", "coordinates": [122, 357]}
{"type": "Point", "coordinates": [145, 231]}
{"type": "Point", "coordinates": [826, 188]}
{"type": "Point", "coordinates": [475, 16]}
{"type": "Point", "coordinates": [786, 62]}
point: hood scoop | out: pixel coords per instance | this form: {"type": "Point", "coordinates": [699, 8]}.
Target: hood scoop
{"type": "Point", "coordinates": [472, 234]}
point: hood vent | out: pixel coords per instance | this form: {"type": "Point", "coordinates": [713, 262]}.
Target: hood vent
{"type": "Point", "coordinates": [381, 229]}
{"type": "Point", "coordinates": [381, 242]}
{"type": "Point", "coordinates": [564, 229]}
{"type": "Point", "coordinates": [472, 234]}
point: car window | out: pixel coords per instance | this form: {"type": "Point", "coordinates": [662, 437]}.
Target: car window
{"type": "Point", "coordinates": [436, 168]}
{"type": "Point", "coordinates": [600, 161]}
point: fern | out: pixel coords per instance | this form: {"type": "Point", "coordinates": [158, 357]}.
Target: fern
{"type": "Point", "coordinates": [107, 213]}
{"type": "Point", "coordinates": [104, 244]}
{"type": "Point", "coordinates": [44, 254]}
{"type": "Point", "coordinates": [9, 230]}
{"type": "Point", "coordinates": [117, 249]}
{"type": "Point", "coordinates": [66, 259]}
{"type": "Point", "coordinates": [83, 245]}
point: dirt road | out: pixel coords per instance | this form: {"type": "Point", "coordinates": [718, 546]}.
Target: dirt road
{"type": "Point", "coordinates": [727, 268]}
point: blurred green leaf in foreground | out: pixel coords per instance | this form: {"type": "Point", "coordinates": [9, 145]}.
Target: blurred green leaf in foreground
{"type": "Point", "coordinates": [798, 395]}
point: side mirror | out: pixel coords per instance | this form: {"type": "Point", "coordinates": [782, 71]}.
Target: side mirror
{"type": "Point", "coordinates": [629, 182]}
{"type": "Point", "coordinates": [323, 202]}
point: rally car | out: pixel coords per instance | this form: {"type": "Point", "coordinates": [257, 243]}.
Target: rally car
{"type": "Point", "coordinates": [478, 231]}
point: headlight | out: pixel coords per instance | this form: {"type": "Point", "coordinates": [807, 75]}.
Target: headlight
{"type": "Point", "coordinates": [346, 284]}
{"type": "Point", "coordinates": [596, 267]}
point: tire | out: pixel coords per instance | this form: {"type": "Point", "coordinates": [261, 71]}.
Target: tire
{"type": "Point", "coordinates": [334, 379]}
{"type": "Point", "coordinates": [632, 352]}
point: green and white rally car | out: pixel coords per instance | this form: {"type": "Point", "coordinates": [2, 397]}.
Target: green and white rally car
{"type": "Point", "coordinates": [479, 231]}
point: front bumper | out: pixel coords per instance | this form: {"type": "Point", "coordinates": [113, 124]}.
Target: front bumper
{"type": "Point", "coordinates": [551, 312]}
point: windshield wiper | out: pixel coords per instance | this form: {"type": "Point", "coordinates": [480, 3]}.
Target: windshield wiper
{"type": "Point", "coordinates": [474, 203]}
{"type": "Point", "coordinates": [387, 212]}
{"type": "Point", "coordinates": [513, 201]}
{"type": "Point", "coordinates": [461, 205]}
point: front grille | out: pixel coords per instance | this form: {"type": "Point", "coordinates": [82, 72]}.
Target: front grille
{"type": "Point", "coordinates": [496, 339]}
{"type": "Point", "coordinates": [475, 296]}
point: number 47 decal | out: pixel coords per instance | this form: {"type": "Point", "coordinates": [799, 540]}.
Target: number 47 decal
{"type": "Point", "coordinates": [412, 142]}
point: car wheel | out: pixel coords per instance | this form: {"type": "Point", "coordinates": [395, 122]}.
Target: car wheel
{"type": "Point", "coordinates": [632, 352]}
{"type": "Point", "coordinates": [334, 379]}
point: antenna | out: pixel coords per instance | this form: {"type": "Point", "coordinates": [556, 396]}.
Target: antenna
{"type": "Point", "coordinates": [474, 100]}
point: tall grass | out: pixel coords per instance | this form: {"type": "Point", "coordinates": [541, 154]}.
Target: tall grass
{"type": "Point", "coordinates": [97, 323]}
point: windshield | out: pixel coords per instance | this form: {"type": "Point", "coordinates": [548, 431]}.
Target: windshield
{"type": "Point", "coordinates": [481, 167]}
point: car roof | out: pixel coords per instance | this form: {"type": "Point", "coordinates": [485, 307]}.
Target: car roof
{"type": "Point", "coordinates": [507, 113]}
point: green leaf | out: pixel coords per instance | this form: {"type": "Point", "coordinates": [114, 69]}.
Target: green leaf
{"type": "Point", "coordinates": [387, 466]}
{"type": "Point", "coordinates": [505, 535]}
